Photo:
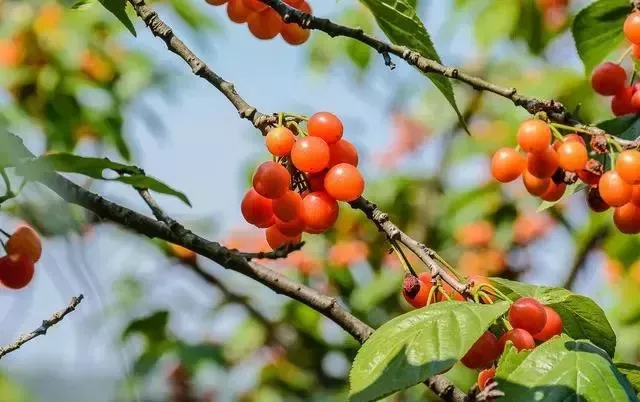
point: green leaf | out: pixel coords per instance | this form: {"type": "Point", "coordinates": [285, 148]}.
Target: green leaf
{"type": "Point", "coordinates": [571, 190]}
{"type": "Point", "coordinates": [12, 149]}
{"type": "Point", "coordinates": [150, 183]}
{"type": "Point", "coordinates": [582, 318]}
{"type": "Point", "coordinates": [417, 345]}
{"type": "Point", "coordinates": [399, 21]}
{"type": "Point", "coordinates": [80, 4]}
{"type": "Point", "coordinates": [192, 356]}
{"type": "Point", "coordinates": [632, 373]}
{"type": "Point", "coordinates": [384, 285]}
{"type": "Point", "coordinates": [152, 327]}
{"type": "Point", "coordinates": [626, 127]}
{"type": "Point", "coordinates": [117, 8]}
{"type": "Point", "coordinates": [504, 16]}
{"type": "Point", "coordinates": [561, 369]}
{"type": "Point", "coordinates": [597, 30]}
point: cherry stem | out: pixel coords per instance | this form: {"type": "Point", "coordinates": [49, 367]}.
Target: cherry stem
{"type": "Point", "coordinates": [494, 291]}
{"type": "Point", "coordinates": [624, 55]}
{"type": "Point", "coordinates": [299, 129]}
{"type": "Point", "coordinates": [280, 117]}
{"type": "Point", "coordinates": [403, 259]}
{"type": "Point", "coordinates": [448, 266]}
{"type": "Point", "coordinates": [557, 134]}
{"type": "Point", "coordinates": [431, 295]}
{"type": "Point", "coordinates": [570, 128]}
{"type": "Point", "coordinates": [506, 323]}
{"type": "Point", "coordinates": [443, 292]}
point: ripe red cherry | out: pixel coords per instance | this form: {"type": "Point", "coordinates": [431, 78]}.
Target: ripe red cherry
{"type": "Point", "coordinates": [326, 126]}
{"type": "Point", "coordinates": [265, 24]}
{"type": "Point", "coordinates": [621, 102]}
{"type": "Point", "coordinates": [310, 154]}
{"type": "Point", "coordinates": [631, 28]}
{"type": "Point", "coordinates": [521, 339]}
{"type": "Point", "coordinates": [276, 239]}
{"type": "Point", "coordinates": [271, 180]}
{"type": "Point", "coordinates": [551, 328]}
{"type": "Point", "coordinates": [483, 352]}
{"type": "Point", "coordinates": [288, 207]}
{"type": "Point", "coordinates": [572, 156]}
{"type": "Point", "coordinates": [319, 210]}
{"type": "Point", "coordinates": [16, 270]}
{"type": "Point", "coordinates": [534, 136]}
{"type": "Point", "coordinates": [237, 11]}
{"type": "Point", "coordinates": [554, 192]}
{"type": "Point", "coordinates": [543, 164]}
{"type": "Point", "coordinates": [527, 313]}
{"type": "Point", "coordinates": [290, 228]}
{"type": "Point", "coordinates": [255, 208]}
{"type": "Point", "coordinates": [255, 5]}
{"type": "Point", "coordinates": [507, 164]}
{"type": "Point", "coordinates": [415, 291]}
{"type": "Point", "coordinates": [628, 166]}
{"type": "Point", "coordinates": [279, 141]}
{"type": "Point", "coordinates": [25, 240]}
{"type": "Point", "coordinates": [534, 185]}
{"type": "Point", "coordinates": [485, 376]}
{"type": "Point", "coordinates": [627, 218]}
{"type": "Point", "coordinates": [344, 182]}
{"type": "Point", "coordinates": [608, 79]}
{"type": "Point", "coordinates": [614, 190]}
{"type": "Point", "coordinates": [342, 152]}
{"type": "Point", "coordinates": [294, 34]}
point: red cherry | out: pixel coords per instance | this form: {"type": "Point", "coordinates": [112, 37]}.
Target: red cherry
{"type": "Point", "coordinates": [551, 328]}
{"type": "Point", "coordinates": [16, 270]}
{"type": "Point", "coordinates": [483, 352]}
{"type": "Point", "coordinates": [608, 79]}
{"type": "Point", "coordinates": [621, 102]}
{"type": "Point", "coordinates": [521, 339]}
{"type": "Point", "coordinates": [485, 376]}
{"type": "Point", "coordinates": [527, 313]}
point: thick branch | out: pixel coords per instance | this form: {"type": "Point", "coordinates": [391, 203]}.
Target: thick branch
{"type": "Point", "coordinates": [42, 329]}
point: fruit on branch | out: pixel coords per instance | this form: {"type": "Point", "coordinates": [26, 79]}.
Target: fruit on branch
{"type": "Point", "coordinates": [344, 182]}
{"type": "Point", "coordinates": [265, 24]}
{"type": "Point", "coordinates": [595, 201]}
{"type": "Point", "coordinates": [631, 28]}
{"type": "Point", "coordinates": [288, 207]}
{"type": "Point", "coordinates": [552, 326]}
{"type": "Point", "coordinates": [271, 180]}
{"type": "Point", "coordinates": [275, 238]}
{"type": "Point", "coordinates": [483, 352]}
{"type": "Point", "coordinates": [621, 103]}
{"type": "Point", "coordinates": [320, 211]}
{"type": "Point", "coordinates": [543, 164]}
{"type": "Point", "coordinates": [310, 154]}
{"type": "Point", "coordinates": [608, 79]}
{"type": "Point", "coordinates": [534, 185]}
{"type": "Point", "coordinates": [627, 218]}
{"type": "Point", "coordinates": [26, 241]}
{"type": "Point", "coordinates": [294, 34]}
{"type": "Point", "coordinates": [279, 141]}
{"type": "Point", "coordinates": [507, 164]}
{"type": "Point", "coordinates": [572, 156]}
{"type": "Point", "coordinates": [415, 291]}
{"type": "Point", "coordinates": [16, 270]}
{"type": "Point", "coordinates": [486, 376]}
{"type": "Point", "coordinates": [521, 339]}
{"type": "Point", "coordinates": [255, 5]}
{"type": "Point", "coordinates": [614, 190]}
{"type": "Point", "coordinates": [635, 51]}
{"type": "Point", "coordinates": [255, 208]}
{"type": "Point", "coordinates": [325, 125]}
{"type": "Point", "coordinates": [527, 313]}
{"type": "Point", "coordinates": [534, 136]}
{"type": "Point", "coordinates": [554, 192]}
{"type": "Point", "coordinates": [628, 166]}
{"type": "Point", "coordinates": [316, 181]}
{"type": "Point", "coordinates": [342, 151]}
{"type": "Point", "coordinates": [291, 228]}
{"type": "Point", "coordinates": [237, 11]}
{"type": "Point", "coordinates": [216, 2]}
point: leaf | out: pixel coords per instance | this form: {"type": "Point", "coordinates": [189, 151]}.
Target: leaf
{"type": "Point", "coordinates": [399, 21]}
{"type": "Point", "coordinates": [417, 345]}
{"type": "Point", "coordinates": [117, 8]}
{"type": "Point", "coordinates": [597, 30]}
{"type": "Point", "coordinates": [632, 373]}
{"type": "Point", "coordinates": [561, 369]}
{"type": "Point", "coordinates": [12, 149]}
{"type": "Point", "coordinates": [571, 190]}
{"type": "Point", "coordinates": [152, 327]}
{"type": "Point", "coordinates": [626, 127]}
{"type": "Point", "coordinates": [150, 183]}
{"type": "Point", "coordinates": [582, 318]}
{"type": "Point", "coordinates": [65, 162]}
{"type": "Point", "coordinates": [80, 4]}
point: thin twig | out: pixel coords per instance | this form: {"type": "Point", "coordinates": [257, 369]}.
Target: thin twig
{"type": "Point", "coordinates": [155, 207]}
{"type": "Point", "coordinates": [581, 256]}
{"type": "Point", "coordinates": [42, 330]}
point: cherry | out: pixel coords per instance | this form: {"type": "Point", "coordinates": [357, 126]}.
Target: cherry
{"type": "Point", "coordinates": [552, 327]}
{"type": "Point", "coordinates": [534, 136]}
{"type": "Point", "coordinates": [628, 166]}
{"type": "Point", "coordinates": [326, 126]}
{"type": "Point", "coordinates": [544, 164]}
{"type": "Point", "coordinates": [527, 313]}
{"type": "Point", "coordinates": [446, 288]}
{"type": "Point", "coordinates": [554, 192]}
{"type": "Point", "coordinates": [276, 239]}
{"type": "Point", "coordinates": [521, 339]}
{"type": "Point", "coordinates": [595, 201]}
{"type": "Point", "coordinates": [635, 194]}
{"type": "Point", "coordinates": [608, 79]}
{"type": "Point", "coordinates": [319, 211]}
{"type": "Point", "coordinates": [342, 151]}
{"type": "Point", "coordinates": [534, 185]}
{"type": "Point", "coordinates": [216, 2]}
{"type": "Point", "coordinates": [415, 291]}
{"type": "Point", "coordinates": [572, 156]}
{"type": "Point", "coordinates": [614, 190]}
{"type": "Point", "coordinates": [290, 228]}
{"type": "Point", "coordinates": [279, 141]}
{"type": "Point", "coordinates": [268, 223]}
{"type": "Point", "coordinates": [255, 208]}
{"type": "Point", "coordinates": [344, 182]}
{"type": "Point", "coordinates": [627, 218]}
{"type": "Point", "coordinates": [310, 154]}
{"type": "Point", "coordinates": [294, 34]}
{"type": "Point", "coordinates": [16, 270]}
{"type": "Point", "coordinates": [621, 102]}
{"type": "Point", "coordinates": [288, 207]}
{"type": "Point", "coordinates": [485, 377]}
{"type": "Point", "coordinates": [237, 11]}
{"type": "Point", "coordinates": [255, 5]}
{"type": "Point", "coordinates": [25, 240]}
{"type": "Point", "coordinates": [271, 180]}
{"type": "Point", "coordinates": [631, 28]}
{"type": "Point", "coordinates": [316, 181]}
{"type": "Point", "coordinates": [507, 164]}
{"type": "Point", "coordinates": [483, 352]}
{"type": "Point", "coordinates": [265, 24]}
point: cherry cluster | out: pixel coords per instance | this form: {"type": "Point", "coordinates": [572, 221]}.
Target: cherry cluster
{"type": "Point", "coordinates": [548, 168]}
{"type": "Point", "coordinates": [528, 322]}
{"type": "Point", "coordinates": [264, 22]}
{"type": "Point", "coordinates": [298, 191]}
{"type": "Point", "coordinates": [610, 79]}
{"type": "Point", "coordinates": [23, 249]}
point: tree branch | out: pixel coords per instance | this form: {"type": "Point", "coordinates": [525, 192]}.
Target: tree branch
{"type": "Point", "coordinates": [42, 329]}
{"type": "Point", "coordinates": [581, 256]}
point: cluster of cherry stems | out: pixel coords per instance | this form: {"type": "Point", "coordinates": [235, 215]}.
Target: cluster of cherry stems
{"type": "Point", "coordinates": [527, 324]}
{"type": "Point", "coordinates": [299, 190]}
{"type": "Point", "coordinates": [264, 22]}
{"type": "Point", "coordinates": [24, 249]}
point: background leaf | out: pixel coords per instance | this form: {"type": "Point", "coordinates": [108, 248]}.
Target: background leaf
{"type": "Point", "coordinates": [117, 8]}
{"type": "Point", "coordinates": [414, 346]}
